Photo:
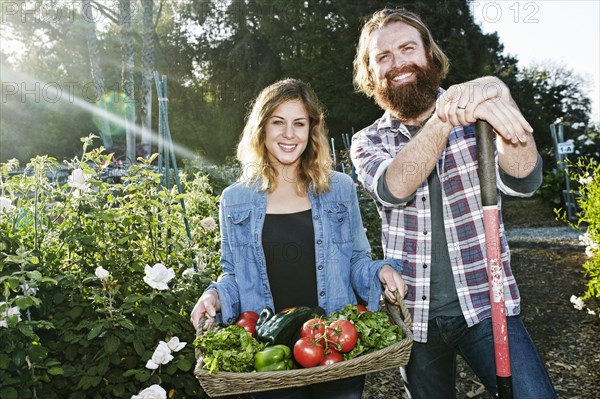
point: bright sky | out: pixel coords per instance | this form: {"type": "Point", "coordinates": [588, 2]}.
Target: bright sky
{"type": "Point", "coordinates": [563, 31]}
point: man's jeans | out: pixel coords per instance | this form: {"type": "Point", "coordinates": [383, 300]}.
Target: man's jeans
{"type": "Point", "coordinates": [347, 388]}
{"type": "Point", "coordinates": [431, 371]}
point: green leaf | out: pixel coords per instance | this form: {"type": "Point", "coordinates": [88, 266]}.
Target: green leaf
{"type": "Point", "coordinates": [95, 331]}
{"type": "Point", "coordinates": [23, 302]}
{"type": "Point", "coordinates": [130, 372]}
{"type": "Point", "coordinates": [4, 361]}
{"type": "Point", "coordinates": [132, 298]}
{"type": "Point", "coordinates": [75, 312]}
{"type": "Point", "coordinates": [112, 344]}
{"type": "Point", "coordinates": [12, 282]}
{"type": "Point", "coordinates": [8, 393]}
{"type": "Point", "coordinates": [56, 371]}
{"type": "Point", "coordinates": [103, 366]}
{"type": "Point", "coordinates": [171, 369]}
{"type": "Point", "coordinates": [34, 275]}
{"type": "Point", "coordinates": [33, 259]}
{"type": "Point", "coordinates": [143, 376]}
{"type": "Point", "coordinates": [184, 365]}
{"type": "Point", "coordinates": [155, 318]}
{"type": "Point", "coordinates": [139, 347]}
{"type": "Point", "coordinates": [127, 324]}
{"type": "Point", "coordinates": [37, 353]}
{"type": "Point", "coordinates": [18, 357]}
{"type": "Point", "coordinates": [26, 330]}
{"type": "Point", "coordinates": [48, 280]}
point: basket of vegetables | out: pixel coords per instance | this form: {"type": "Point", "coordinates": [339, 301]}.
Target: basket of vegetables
{"type": "Point", "coordinates": [300, 346]}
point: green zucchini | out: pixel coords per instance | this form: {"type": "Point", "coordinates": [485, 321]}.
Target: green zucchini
{"type": "Point", "coordinates": [281, 328]}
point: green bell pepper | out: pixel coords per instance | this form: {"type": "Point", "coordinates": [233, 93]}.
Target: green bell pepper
{"type": "Point", "coordinates": [274, 358]}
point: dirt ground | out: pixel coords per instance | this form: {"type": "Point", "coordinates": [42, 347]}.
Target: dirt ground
{"type": "Point", "coordinates": [547, 265]}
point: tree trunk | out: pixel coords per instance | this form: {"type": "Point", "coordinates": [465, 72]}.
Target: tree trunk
{"type": "Point", "coordinates": [96, 70]}
{"type": "Point", "coordinates": [147, 69]}
{"type": "Point", "coordinates": [127, 76]}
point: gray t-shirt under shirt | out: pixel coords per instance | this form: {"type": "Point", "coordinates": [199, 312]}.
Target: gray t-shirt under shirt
{"type": "Point", "coordinates": [443, 300]}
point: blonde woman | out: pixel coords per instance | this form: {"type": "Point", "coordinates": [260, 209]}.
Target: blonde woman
{"type": "Point", "coordinates": [291, 228]}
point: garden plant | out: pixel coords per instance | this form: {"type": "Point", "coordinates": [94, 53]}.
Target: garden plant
{"type": "Point", "coordinates": [97, 278]}
{"type": "Point", "coordinates": [586, 172]}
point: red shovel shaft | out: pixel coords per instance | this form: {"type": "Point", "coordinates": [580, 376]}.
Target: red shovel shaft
{"type": "Point", "coordinates": [489, 198]}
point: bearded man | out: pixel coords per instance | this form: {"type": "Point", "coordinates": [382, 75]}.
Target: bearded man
{"type": "Point", "coordinates": [418, 162]}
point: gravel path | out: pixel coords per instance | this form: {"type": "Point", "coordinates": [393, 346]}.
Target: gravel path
{"type": "Point", "coordinates": [564, 234]}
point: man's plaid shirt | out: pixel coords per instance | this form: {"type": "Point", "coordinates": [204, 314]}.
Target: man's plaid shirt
{"type": "Point", "coordinates": [406, 227]}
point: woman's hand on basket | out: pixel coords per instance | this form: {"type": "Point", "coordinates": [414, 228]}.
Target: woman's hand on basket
{"type": "Point", "coordinates": [206, 308]}
{"type": "Point", "coordinates": [392, 283]}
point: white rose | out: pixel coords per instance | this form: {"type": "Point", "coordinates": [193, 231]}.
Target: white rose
{"type": "Point", "coordinates": [6, 204]}
{"type": "Point", "coordinates": [577, 302]}
{"type": "Point", "coordinates": [152, 392]}
{"type": "Point", "coordinates": [175, 345]}
{"type": "Point", "coordinates": [27, 290]}
{"type": "Point", "coordinates": [5, 314]}
{"type": "Point", "coordinates": [188, 272]}
{"type": "Point", "coordinates": [161, 355]}
{"type": "Point", "coordinates": [158, 276]}
{"type": "Point", "coordinates": [78, 180]}
{"type": "Point", "coordinates": [585, 239]}
{"type": "Point", "coordinates": [102, 273]}
{"type": "Point", "coordinates": [586, 180]}
{"type": "Point", "coordinates": [208, 223]}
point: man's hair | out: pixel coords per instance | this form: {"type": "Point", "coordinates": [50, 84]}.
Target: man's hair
{"type": "Point", "coordinates": [315, 162]}
{"type": "Point", "coordinates": [363, 74]}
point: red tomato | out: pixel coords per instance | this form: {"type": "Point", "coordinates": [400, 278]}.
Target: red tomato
{"type": "Point", "coordinates": [342, 335]}
{"type": "Point", "coordinates": [250, 315]}
{"type": "Point", "coordinates": [306, 353]}
{"type": "Point", "coordinates": [248, 320]}
{"type": "Point", "coordinates": [361, 308]}
{"type": "Point", "coordinates": [315, 330]}
{"type": "Point", "coordinates": [331, 356]}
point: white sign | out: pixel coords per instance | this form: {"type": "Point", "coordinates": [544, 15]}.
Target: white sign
{"type": "Point", "coordinates": [566, 148]}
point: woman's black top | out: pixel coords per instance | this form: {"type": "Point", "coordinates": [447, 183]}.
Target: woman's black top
{"type": "Point", "coordinates": [289, 245]}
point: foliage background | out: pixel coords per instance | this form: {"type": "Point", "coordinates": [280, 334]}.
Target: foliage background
{"type": "Point", "coordinates": [77, 336]}
{"type": "Point", "coordinates": [219, 54]}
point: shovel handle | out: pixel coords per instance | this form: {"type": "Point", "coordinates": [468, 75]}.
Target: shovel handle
{"type": "Point", "coordinates": [489, 199]}
{"type": "Point", "coordinates": [487, 163]}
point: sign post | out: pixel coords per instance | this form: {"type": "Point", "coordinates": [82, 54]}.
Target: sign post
{"type": "Point", "coordinates": [564, 148]}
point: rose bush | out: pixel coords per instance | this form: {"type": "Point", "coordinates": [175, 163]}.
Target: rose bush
{"type": "Point", "coordinates": [586, 173]}
{"type": "Point", "coordinates": [93, 275]}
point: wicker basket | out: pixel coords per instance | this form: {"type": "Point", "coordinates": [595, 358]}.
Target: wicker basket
{"type": "Point", "coordinates": [396, 355]}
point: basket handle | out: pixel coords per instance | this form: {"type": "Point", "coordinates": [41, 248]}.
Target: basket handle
{"type": "Point", "coordinates": [199, 332]}
{"type": "Point", "coordinates": [399, 312]}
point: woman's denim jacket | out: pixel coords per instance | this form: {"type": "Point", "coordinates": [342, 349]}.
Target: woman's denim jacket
{"type": "Point", "coordinates": [344, 265]}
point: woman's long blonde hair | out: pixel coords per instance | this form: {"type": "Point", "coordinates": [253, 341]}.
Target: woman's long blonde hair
{"type": "Point", "coordinates": [363, 76]}
{"type": "Point", "coordinates": [315, 162]}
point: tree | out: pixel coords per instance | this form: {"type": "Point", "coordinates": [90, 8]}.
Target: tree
{"type": "Point", "coordinates": [316, 41]}
{"type": "Point", "coordinates": [148, 60]}
{"type": "Point", "coordinates": [41, 102]}
{"type": "Point", "coordinates": [127, 76]}
{"type": "Point", "coordinates": [218, 55]}
{"type": "Point", "coordinates": [549, 93]}
{"type": "Point", "coordinates": [96, 69]}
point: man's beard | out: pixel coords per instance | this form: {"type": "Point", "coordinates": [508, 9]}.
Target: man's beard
{"type": "Point", "coordinates": [412, 99]}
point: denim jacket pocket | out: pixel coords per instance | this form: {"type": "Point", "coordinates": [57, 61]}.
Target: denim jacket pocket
{"type": "Point", "coordinates": [338, 219]}
{"type": "Point", "coordinates": [239, 227]}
